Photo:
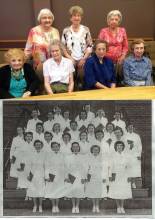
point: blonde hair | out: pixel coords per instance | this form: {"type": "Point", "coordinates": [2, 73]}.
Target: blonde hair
{"type": "Point", "coordinates": [45, 11]}
{"type": "Point", "coordinates": [114, 13]}
{"type": "Point", "coordinates": [76, 10]}
{"type": "Point", "coordinates": [14, 53]}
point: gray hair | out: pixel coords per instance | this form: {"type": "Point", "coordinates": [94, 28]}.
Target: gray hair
{"type": "Point", "coordinates": [114, 13]}
{"type": "Point", "coordinates": [45, 11]}
{"type": "Point", "coordinates": [59, 44]}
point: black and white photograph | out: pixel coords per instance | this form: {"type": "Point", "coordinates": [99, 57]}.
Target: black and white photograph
{"type": "Point", "coordinates": [88, 158]}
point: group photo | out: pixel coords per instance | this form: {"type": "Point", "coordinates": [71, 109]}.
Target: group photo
{"type": "Point", "coordinates": [77, 158]}
{"type": "Point", "coordinates": [54, 55]}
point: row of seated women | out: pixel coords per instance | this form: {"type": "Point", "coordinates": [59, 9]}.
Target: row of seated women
{"type": "Point", "coordinates": [77, 160]}
{"type": "Point", "coordinates": [59, 65]}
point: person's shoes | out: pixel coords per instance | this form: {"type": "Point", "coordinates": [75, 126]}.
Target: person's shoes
{"type": "Point", "coordinates": [119, 211]}
{"type": "Point", "coordinates": [57, 209]}
{"type": "Point", "coordinates": [77, 210]}
{"type": "Point", "coordinates": [40, 209]}
{"type": "Point", "coordinates": [34, 209]}
{"type": "Point", "coordinates": [53, 209]}
{"type": "Point", "coordinates": [122, 210]}
{"type": "Point", "coordinates": [94, 209]}
{"type": "Point", "coordinates": [97, 210]}
{"type": "Point", "coordinates": [73, 210]}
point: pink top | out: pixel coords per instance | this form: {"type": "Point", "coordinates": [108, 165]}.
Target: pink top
{"type": "Point", "coordinates": [117, 45]}
{"type": "Point", "coordinates": [38, 44]}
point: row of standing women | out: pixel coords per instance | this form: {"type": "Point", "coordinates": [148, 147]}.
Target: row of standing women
{"type": "Point", "coordinates": [95, 163]}
{"type": "Point", "coordinates": [58, 73]}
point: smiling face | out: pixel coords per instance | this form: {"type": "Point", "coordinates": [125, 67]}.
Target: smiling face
{"type": "Point", "coordinates": [75, 148]}
{"type": "Point", "coordinates": [29, 137]}
{"type": "Point", "coordinates": [16, 63]}
{"type": "Point", "coordinates": [138, 50]}
{"type": "Point", "coordinates": [76, 19]}
{"type": "Point", "coordinates": [100, 50]}
{"type": "Point", "coordinates": [119, 147]}
{"type": "Point", "coordinates": [48, 137]}
{"type": "Point", "coordinates": [20, 131]}
{"type": "Point", "coordinates": [55, 147]}
{"type": "Point", "coordinates": [83, 136]}
{"type": "Point", "coordinates": [95, 150]}
{"type": "Point", "coordinates": [38, 146]}
{"type": "Point", "coordinates": [46, 21]}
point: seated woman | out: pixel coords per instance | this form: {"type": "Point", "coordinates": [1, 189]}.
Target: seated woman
{"type": "Point", "coordinates": [17, 79]}
{"type": "Point", "coordinates": [137, 68]}
{"type": "Point", "coordinates": [58, 71]}
{"type": "Point", "coordinates": [99, 70]}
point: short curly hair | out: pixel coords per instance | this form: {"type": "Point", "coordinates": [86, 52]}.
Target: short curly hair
{"type": "Point", "coordinates": [114, 13]}
{"type": "Point", "coordinates": [14, 53]}
{"type": "Point", "coordinates": [45, 11]}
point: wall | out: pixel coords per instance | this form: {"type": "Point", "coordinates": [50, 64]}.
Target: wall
{"type": "Point", "coordinates": [18, 16]}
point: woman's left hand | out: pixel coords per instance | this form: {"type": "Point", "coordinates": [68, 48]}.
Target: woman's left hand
{"type": "Point", "coordinates": [26, 94]}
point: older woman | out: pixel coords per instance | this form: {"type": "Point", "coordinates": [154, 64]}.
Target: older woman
{"type": "Point", "coordinates": [40, 38]}
{"type": "Point", "coordinates": [99, 70]}
{"type": "Point", "coordinates": [58, 71]}
{"type": "Point", "coordinates": [17, 79]}
{"type": "Point", "coordinates": [115, 36]}
{"type": "Point", "coordinates": [77, 39]}
{"type": "Point", "coordinates": [137, 68]}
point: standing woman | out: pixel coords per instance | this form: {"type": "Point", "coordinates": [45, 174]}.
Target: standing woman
{"type": "Point", "coordinates": [39, 40]}
{"type": "Point", "coordinates": [17, 79]}
{"type": "Point", "coordinates": [58, 71]}
{"type": "Point", "coordinates": [116, 38]}
{"type": "Point", "coordinates": [99, 70]}
{"type": "Point", "coordinates": [78, 41]}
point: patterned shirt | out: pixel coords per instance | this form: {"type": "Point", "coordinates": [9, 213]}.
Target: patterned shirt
{"type": "Point", "coordinates": [77, 42]}
{"type": "Point", "coordinates": [137, 71]}
{"type": "Point", "coordinates": [117, 45]}
{"type": "Point", "coordinates": [38, 43]}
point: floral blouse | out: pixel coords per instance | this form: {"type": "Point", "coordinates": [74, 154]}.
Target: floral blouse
{"type": "Point", "coordinates": [77, 42]}
{"type": "Point", "coordinates": [117, 45]}
{"type": "Point", "coordinates": [38, 43]}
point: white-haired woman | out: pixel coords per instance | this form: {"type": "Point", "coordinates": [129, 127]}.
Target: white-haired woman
{"type": "Point", "coordinates": [39, 39]}
{"type": "Point", "coordinates": [115, 36]}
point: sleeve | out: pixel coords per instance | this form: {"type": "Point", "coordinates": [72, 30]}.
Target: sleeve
{"type": "Point", "coordinates": [113, 75]}
{"type": "Point", "coordinates": [149, 75]}
{"type": "Point", "coordinates": [63, 38]}
{"type": "Point", "coordinates": [4, 93]}
{"type": "Point", "coordinates": [126, 73]}
{"type": "Point", "coordinates": [89, 75]}
{"type": "Point", "coordinates": [125, 42]}
{"type": "Point", "coordinates": [89, 40]}
{"type": "Point", "coordinates": [29, 44]}
{"type": "Point", "coordinates": [13, 148]}
{"type": "Point", "coordinates": [71, 66]}
{"type": "Point", "coordinates": [45, 69]}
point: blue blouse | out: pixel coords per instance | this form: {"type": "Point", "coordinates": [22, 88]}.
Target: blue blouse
{"type": "Point", "coordinates": [17, 87]}
{"type": "Point", "coordinates": [94, 72]}
{"type": "Point", "coordinates": [136, 70]}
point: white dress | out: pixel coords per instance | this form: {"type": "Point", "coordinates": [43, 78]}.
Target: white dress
{"type": "Point", "coordinates": [65, 148]}
{"type": "Point", "coordinates": [24, 158]}
{"type": "Point", "coordinates": [84, 147]}
{"type": "Point", "coordinates": [98, 171]}
{"type": "Point", "coordinates": [31, 124]}
{"type": "Point", "coordinates": [38, 136]}
{"type": "Point", "coordinates": [54, 164]}
{"type": "Point", "coordinates": [74, 135]}
{"type": "Point", "coordinates": [120, 188]}
{"type": "Point", "coordinates": [36, 187]}
{"type": "Point", "coordinates": [75, 166]}
{"type": "Point", "coordinates": [16, 145]}
{"type": "Point", "coordinates": [65, 124]}
{"type": "Point", "coordinates": [134, 150]}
